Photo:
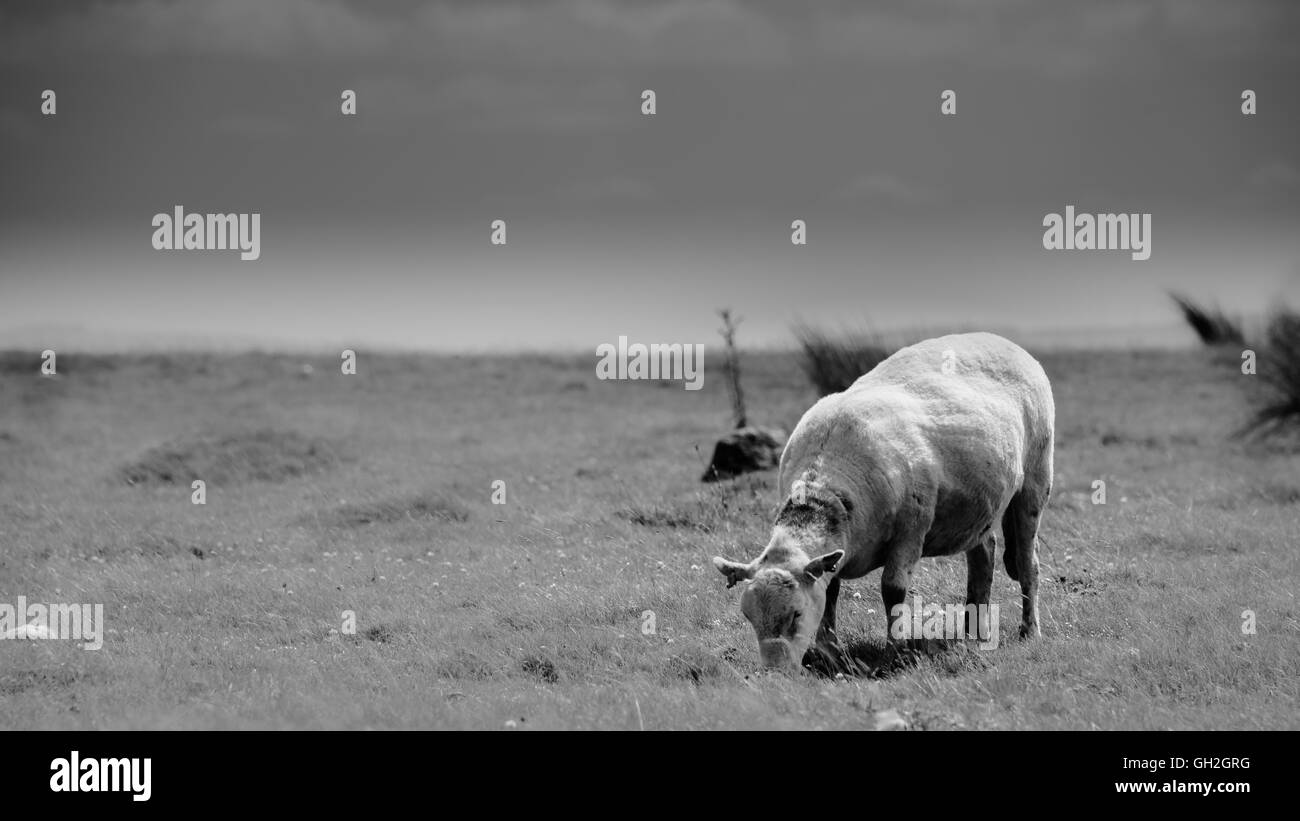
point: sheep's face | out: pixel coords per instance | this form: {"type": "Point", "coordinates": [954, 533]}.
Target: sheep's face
{"type": "Point", "coordinates": [784, 605]}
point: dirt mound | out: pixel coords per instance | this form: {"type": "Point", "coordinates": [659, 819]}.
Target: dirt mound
{"type": "Point", "coordinates": [256, 456]}
{"type": "Point", "coordinates": [745, 450]}
{"type": "Point", "coordinates": [386, 511]}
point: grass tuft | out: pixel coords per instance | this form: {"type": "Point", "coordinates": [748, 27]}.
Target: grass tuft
{"type": "Point", "coordinates": [832, 364]}
{"type": "Point", "coordinates": [542, 669]}
{"type": "Point", "coordinates": [428, 506]}
{"type": "Point", "coordinates": [1212, 325]}
{"type": "Point", "coordinates": [1280, 369]}
{"type": "Point", "coordinates": [658, 516]}
{"type": "Point", "coordinates": [255, 456]}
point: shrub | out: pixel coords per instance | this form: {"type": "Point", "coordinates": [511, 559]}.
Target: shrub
{"type": "Point", "coordinates": [1212, 325]}
{"type": "Point", "coordinates": [834, 363]}
{"type": "Point", "coordinates": [1279, 368]}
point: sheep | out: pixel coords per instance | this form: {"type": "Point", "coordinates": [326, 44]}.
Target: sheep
{"type": "Point", "coordinates": [922, 456]}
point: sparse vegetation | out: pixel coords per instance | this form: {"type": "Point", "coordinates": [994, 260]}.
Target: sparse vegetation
{"type": "Point", "coordinates": [1279, 368]}
{"type": "Point", "coordinates": [256, 456]}
{"type": "Point", "coordinates": [534, 611]}
{"type": "Point", "coordinates": [728, 332]}
{"type": "Point", "coordinates": [833, 363]}
{"type": "Point", "coordinates": [659, 517]}
{"type": "Point", "coordinates": [1212, 325]}
{"type": "Point", "coordinates": [431, 505]}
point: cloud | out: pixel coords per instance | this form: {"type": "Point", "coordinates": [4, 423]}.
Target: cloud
{"type": "Point", "coordinates": [18, 126]}
{"type": "Point", "coordinates": [610, 32]}
{"type": "Point", "coordinates": [194, 28]}
{"type": "Point", "coordinates": [533, 103]}
{"type": "Point", "coordinates": [609, 189]}
{"type": "Point", "coordinates": [886, 188]}
{"type": "Point", "coordinates": [1275, 175]}
{"type": "Point", "coordinates": [255, 126]}
{"type": "Point", "coordinates": [544, 32]}
{"type": "Point", "coordinates": [1048, 36]}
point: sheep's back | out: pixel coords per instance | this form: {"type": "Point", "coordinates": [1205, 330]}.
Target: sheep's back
{"type": "Point", "coordinates": [980, 424]}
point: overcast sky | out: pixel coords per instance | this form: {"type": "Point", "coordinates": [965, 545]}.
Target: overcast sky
{"type": "Point", "coordinates": [375, 228]}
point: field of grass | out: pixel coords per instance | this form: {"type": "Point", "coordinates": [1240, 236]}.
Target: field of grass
{"type": "Point", "coordinates": [372, 493]}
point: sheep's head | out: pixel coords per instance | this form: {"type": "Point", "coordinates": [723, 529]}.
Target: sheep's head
{"type": "Point", "coordinates": [784, 601]}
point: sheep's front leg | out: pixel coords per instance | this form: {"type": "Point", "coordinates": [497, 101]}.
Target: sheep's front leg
{"type": "Point", "coordinates": [826, 631]}
{"type": "Point", "coordinates": [895, 581]}
{"type": "Point", "coordinates": [825, 654]}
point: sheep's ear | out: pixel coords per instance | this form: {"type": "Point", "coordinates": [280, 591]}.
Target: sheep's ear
{"type": "Point", "coordinates": [734, 571]}
{"type": "Point", "coordinates": [823, 564]}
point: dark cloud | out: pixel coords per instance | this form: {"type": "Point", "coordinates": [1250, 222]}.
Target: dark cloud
{"type": "Point", "coordinates": [1065, 37]}
{"type": "Point", "coordinates": [529, 110]}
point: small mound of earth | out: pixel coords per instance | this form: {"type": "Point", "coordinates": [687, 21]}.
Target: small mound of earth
{"type": "Point", "coordinates": [387, 511]}
{"type": "Point", "coordinates": [745, 450]}
{"type": "Point", "coordinates": [257, 456]}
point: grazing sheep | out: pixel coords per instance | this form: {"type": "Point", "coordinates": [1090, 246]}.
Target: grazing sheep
{"type": "Point", "coordinates": [922, 456]}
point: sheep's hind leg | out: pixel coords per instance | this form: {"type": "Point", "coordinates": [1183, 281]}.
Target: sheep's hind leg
{"type": "Point", "coordinates": [979, 585]}
{"type": "Point", "coordinates": [1020, 530]}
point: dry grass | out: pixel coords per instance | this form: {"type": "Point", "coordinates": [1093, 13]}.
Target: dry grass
{"type": "Point", "coordinates": [1280, 370]}
{"type": "Point", "coordinates": [1212, 325]}
{"type": "Point", "coordinates": [252, 456]}
{"type": "Point", "coordinates": [833, 363]}
{"type": "Point", "coordinates": [229, 615]}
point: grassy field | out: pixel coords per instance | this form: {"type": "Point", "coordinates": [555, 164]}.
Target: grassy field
{"type": "Point", "coordinates": [373, 493]}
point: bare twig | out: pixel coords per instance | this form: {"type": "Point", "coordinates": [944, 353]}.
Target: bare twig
{"type": "Point", "coordinates": [728, 331]}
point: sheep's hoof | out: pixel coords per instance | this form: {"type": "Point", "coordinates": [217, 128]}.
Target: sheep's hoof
{"type": "Point", "coordinates": [825, 660]}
